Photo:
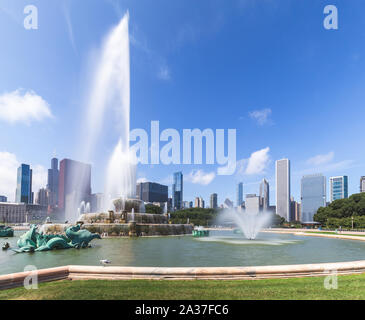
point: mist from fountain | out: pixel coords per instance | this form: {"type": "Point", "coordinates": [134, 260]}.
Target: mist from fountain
{"type": "Point", "coordinates": [250, 223]}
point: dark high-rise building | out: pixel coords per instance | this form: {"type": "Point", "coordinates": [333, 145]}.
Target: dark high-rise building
{"type": "Point", "coordinates": [152, 192]}
{"type": "Point", "coordinates": [214, 201]}
{"type": "Point", "coordinates": [24, 192]}
{"type": "Point", "coordinates": [177, 191]}
{"type": "Point", "coordinates": [265, 195]}
{"type": "Point", "coordinates": [52, 183]}
{"type": "Point", "coordinates": [294, 210]}
{"type": "Point", "coordinates": [74, 186]}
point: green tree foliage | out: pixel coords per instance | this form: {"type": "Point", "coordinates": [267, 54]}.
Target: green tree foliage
{"type": "Point", "coordinates": [277, 221]}
{"type": "Point", "coordinates": [151, 208]}
{"type": "Point", "coordinates": [340, 212]}
{"type": "Point", "coordinates": [197, 216]}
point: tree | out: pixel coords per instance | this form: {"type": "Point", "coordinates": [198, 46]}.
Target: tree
{"type": "Point", "coordinates": [278, 221]}
{"type": "Point", "coordinates": [151, 208]}
{"type": "Point", "coordinates": [196, 216]}
{"type": "Point", "coordinates": [340, 212]}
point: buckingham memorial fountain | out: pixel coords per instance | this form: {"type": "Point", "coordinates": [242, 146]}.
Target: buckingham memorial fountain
{"type": "Point", "coordinates": [120, 214]}
{"type": "Point", "coordinates": [128, 220]}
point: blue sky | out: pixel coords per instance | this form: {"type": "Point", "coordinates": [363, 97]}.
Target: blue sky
{"type": "Point", "coordinates": [266, 68]}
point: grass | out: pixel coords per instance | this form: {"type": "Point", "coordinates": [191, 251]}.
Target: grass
{"type": "Point", "coordinates": [349, 287]}
{"type": "Point", "coordinates": [337, 233]}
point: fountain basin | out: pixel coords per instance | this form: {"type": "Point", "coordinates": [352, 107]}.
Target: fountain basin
{"type": "Point", "coordinates": [137, 229]}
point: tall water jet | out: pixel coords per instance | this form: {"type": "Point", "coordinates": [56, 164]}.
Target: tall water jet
{"type": "Point", "coordinates": [120, 176]}
{"type": "Point", "coordinates": [142, 207]}
{"type": "Point", "coordinates": [111, 89]}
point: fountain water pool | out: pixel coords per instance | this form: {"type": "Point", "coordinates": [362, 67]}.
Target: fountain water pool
{"type": "Point", "coordinates": [222, 248]}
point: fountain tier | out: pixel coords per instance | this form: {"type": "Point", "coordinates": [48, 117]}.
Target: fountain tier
{"type": "Point", "coordinates": [127, 220]}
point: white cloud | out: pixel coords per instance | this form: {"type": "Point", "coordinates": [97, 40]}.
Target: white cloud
{"type": "Point", "coordinates": [164, 73]}
{"type": "Point", "coordinates": [200, 177]}
{"type": "Point", "coordinates": [261, 116]}
{"type": "Point", "coordinates": [8, 174]}
{"type": "Point", "coordinates": [241, 166]}
{"type": "Point", "coordinates": [141, 180]}
{"type": "Point", "coordinates": [258, 162]}
{"type": "Point", "coordinates": [321, 159]}
{"type": "Point", "coordinates": [23, 106]}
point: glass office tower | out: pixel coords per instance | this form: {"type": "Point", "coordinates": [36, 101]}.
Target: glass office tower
{"type": "Point", "coordinates": [24, 185]}
{"type": "Point", "coordinates": [239, 194]}
{"type": "Point", "coordinates": [177, 191]}
{"type": "Point", "coordinates": [339, 188]}
{"type": "Point", "coordinates": [313, 191]}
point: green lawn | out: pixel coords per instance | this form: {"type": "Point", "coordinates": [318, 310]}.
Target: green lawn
{"type": "Point", "coordinates": [349, 287]}
{"type": "Point", "coordinates": [332, 232]}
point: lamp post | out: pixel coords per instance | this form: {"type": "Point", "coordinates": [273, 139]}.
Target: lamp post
{"type": "Point", "coordinates": [352, 222]}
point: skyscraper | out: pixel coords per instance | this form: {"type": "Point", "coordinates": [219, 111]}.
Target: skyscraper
{"type": "Point", "coordinates": [24, 192]}
{"type": "Point", "coordinates": [294, 210]}
{"type": "Point", "coordinates": [42, 197]}
{"type": "Point", "coordinates": [214, 201]}
{"type": "Point", "coordinates": [74, 186]}
{"type": "Point", "coordinates": [265, 194]}
{"type": "Point", "coordinates": [227, 203]}
{"type": "Point", "coordinates": [152, 192]}
{"type": "Point", "coordinates": [362, 184]}
{"type": "Point", "coordinates": [252, 203]}
{"type": "Point", "coordinates": [239, 194]}
{"type": "Point", "coordinates": [199, 202]}
{"type": "Point", "coordinates": [283, 188]}
{"type": "Point", "coordinates": [339, 188]}
{"type": "Point", "coordinates": [177, 191]}
{"type": "Point", "coordinates": [313, 196]}
{"type": "Point", "coordinates": [52, 183]}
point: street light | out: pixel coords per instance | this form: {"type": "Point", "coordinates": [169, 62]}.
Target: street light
{"type": "Point", "coordinates": [352, 222]}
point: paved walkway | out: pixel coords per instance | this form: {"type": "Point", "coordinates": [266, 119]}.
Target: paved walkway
{"type": "Point", "coordinates": [349, 235]}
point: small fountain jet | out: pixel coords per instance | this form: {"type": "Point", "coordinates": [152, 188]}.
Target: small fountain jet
{"type": "Point", "coordinates": [104, 262]}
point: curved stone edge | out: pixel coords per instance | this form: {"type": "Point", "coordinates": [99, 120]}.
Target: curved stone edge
{"type": "Point", "coordinates": [186, 273]}
{"type": "Point", "coordinates": [14, 280]}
